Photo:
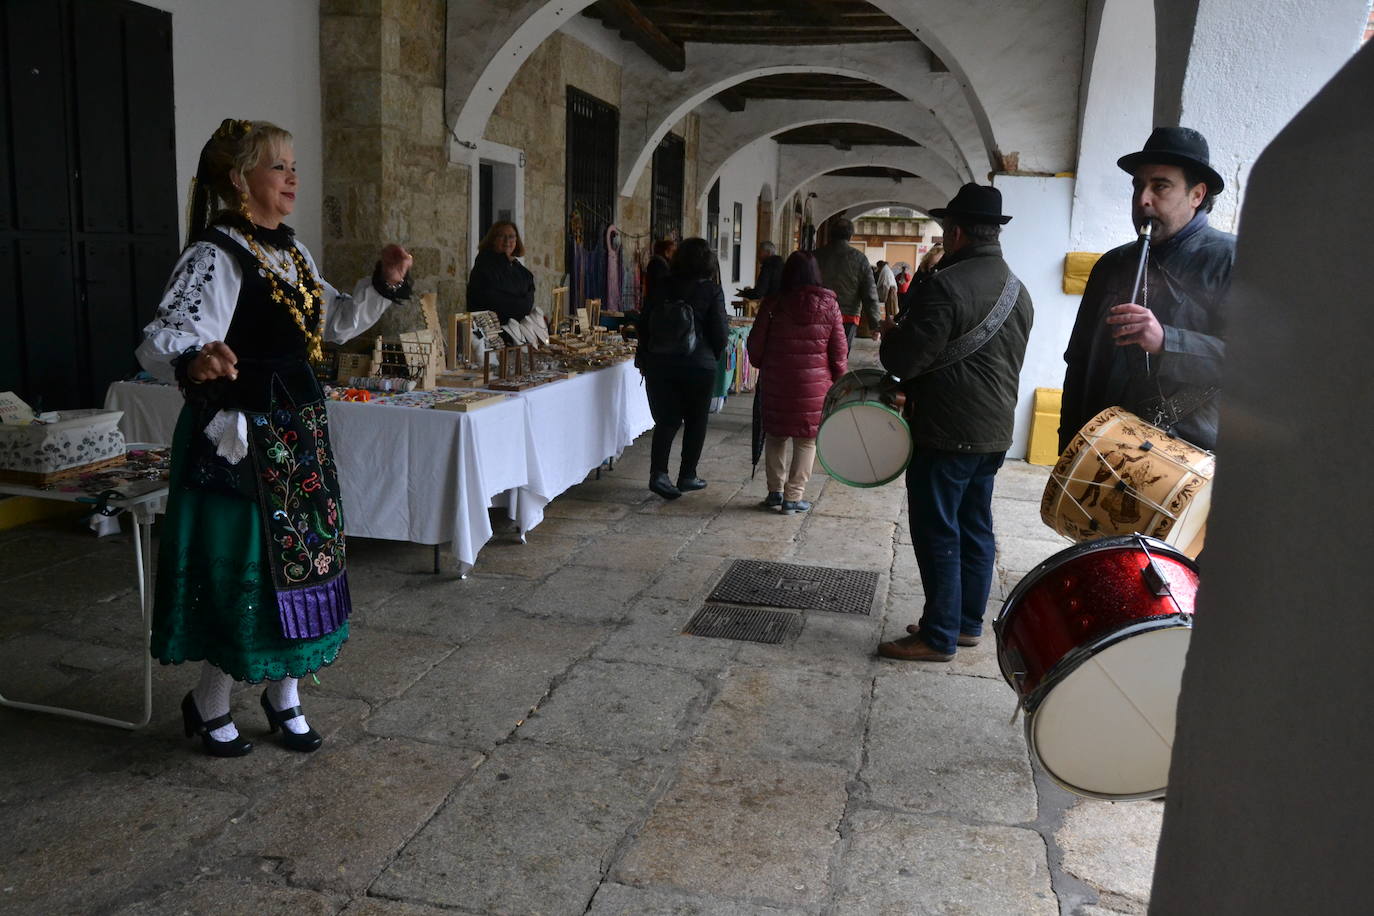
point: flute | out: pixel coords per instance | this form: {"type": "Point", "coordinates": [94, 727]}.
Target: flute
{"type": "Point", "coordinates": [1145, 229]}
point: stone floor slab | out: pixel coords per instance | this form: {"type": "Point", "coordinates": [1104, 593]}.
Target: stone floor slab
{"type": "Point", "coordinates": [629, 552]}
{"type": "Point", "coordinates": [584, 593]}
{"type": "Point", "coordinates": [787, 714]}
{"type": "Point", "coordinates": [687, 578]}
{"type": "Point", "coordinates": [228, 895]}
{"type": "Point", "coordinates": [865, 503]}
{"type": "Point", "coordinates": [943, 745]}
{"type": "Point", "coordinates": [619, 900]}
{"type": "Point", "coordinates": [618, 707]}
{"type": "Point", "coordinates": [338, 821]}
{"type": "Point", "coordinates": [532, 559]}
{"type": "Point", "coordinates": [1019, 480]}
{"type": "Point", "coordinates": [839, 644]}
{"type": "Point", "coordinates": [730, 827]}
{"type": "Point", "coordinates": [382, 665]}
{"type": "Point", "coordinates": [530, 832]}
{"type": "Point", "coordinates": [653, 636]}
{"type": "Point", "coordinates": [900, 863]}
{"type": "Point", "coordinates": [451, 612]}
{"type": "Point", "coordinates": [1111, 846]}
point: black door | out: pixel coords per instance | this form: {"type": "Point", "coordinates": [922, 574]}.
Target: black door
{"type": "Point", "coordinates": [88, 212]}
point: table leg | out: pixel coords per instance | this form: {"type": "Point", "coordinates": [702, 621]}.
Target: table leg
{"type": "Point", "coordinates": [143, 559]}
{"type": "Point", "coordinates": [436, 559]}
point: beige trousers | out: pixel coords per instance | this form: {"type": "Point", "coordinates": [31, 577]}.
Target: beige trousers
{"type": "Point", "coordinates": [803, 455]}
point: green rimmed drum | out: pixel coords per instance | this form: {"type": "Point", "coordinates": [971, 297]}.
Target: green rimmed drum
{"type": "Point", "coordinates": [863, 440]}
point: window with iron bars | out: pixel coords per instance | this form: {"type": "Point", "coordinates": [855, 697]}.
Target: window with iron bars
{"type": "Point", "coordinates": [593, 139]}
{"type": "Point", "coordinates": [665, 219]}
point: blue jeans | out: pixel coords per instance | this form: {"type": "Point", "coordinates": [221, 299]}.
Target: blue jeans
{"type": "Point", "coordinates": [951, 529]}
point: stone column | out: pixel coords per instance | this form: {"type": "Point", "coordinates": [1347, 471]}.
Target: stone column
{"type": "Point", "coordinates": [1270, 789]}
{"type": "Point", "coordinates": [1237, 70]}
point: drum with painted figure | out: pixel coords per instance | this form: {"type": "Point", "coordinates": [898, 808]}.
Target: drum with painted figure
{"type": "Point", "coordinates": [1122, 475]}
{"type": "Point", "coordinates": [1093, 641]}
{"type": "Point", "coordinates": [863, 440]}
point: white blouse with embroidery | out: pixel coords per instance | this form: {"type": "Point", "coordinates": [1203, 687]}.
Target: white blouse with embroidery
{"type": "Point", "coordinates": [200, 299]}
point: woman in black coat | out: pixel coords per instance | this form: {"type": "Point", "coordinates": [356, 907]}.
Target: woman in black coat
{"type": "Point", "coordinates": [498, 282]}
{"type": "Point", "coordinates": [679, 385]}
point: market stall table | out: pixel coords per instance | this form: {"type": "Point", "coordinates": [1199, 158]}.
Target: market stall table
{"type": "Point", "coordinates": [139, 488]}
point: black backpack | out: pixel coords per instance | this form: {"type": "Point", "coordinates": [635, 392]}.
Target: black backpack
{"type": "Point", "coordinates": [672, 329]}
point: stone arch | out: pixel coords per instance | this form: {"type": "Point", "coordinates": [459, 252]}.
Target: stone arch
{"type": "Point", "coordinates": [797, 170]}
{"type": "Point", "coordinates": [858, 208]}
{"type": "Point", "coordinates": [667, 98]}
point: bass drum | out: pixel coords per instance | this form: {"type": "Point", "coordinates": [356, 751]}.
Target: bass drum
{"type": "Point", "coordinates": [1093, 641]}
{"type": "Point", "coordinates": [863, 440]}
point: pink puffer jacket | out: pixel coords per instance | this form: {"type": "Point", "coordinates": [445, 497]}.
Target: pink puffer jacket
{"type": "Point", "coordinates": [798, 344]}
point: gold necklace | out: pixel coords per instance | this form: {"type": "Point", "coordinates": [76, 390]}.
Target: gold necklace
{"type": "Point", "coordinates": [282, 290]}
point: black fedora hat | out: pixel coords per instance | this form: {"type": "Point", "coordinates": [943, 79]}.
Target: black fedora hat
{"type": "Point", "coordinates": [975, 203]}
{"type": "Point", "coordinates": [1181, 146]}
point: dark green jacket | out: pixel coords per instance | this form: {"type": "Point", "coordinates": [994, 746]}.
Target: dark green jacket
{"type": "Point", "coordinates": [969, 406]}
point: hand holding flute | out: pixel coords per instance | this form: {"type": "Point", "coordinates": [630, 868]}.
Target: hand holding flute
{"type": "Point", "coordinates": [1130, 322]}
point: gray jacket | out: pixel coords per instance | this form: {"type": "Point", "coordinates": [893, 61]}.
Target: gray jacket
{"type": "Point", "coordinates": [845, 269]}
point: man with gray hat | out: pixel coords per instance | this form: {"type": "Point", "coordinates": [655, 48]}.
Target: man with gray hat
{"type": "Point", "coordinates": [1160, 357]}
{"type": "Point", "coordinates": [958, 352]}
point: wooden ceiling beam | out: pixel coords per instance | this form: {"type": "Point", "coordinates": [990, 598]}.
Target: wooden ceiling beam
{"type": "Point", "coordinates": [731, 100]}
{"type": "Point", "coordinates": [638, 28]}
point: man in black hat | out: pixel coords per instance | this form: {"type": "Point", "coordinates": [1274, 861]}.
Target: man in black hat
{"type": "Point", "coordinates": [1161, 356]}
{"type": "Point", "coordinates": [958, 351]}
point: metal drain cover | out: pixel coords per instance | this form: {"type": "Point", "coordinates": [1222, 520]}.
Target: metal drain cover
{"type": "Point", "coordinates": [808, 588]}
{"type": "Point", "coordinates": [721, 621]}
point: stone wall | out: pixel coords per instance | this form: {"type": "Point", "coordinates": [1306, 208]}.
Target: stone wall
{"type": "Point", "coordinates": [387, 174]}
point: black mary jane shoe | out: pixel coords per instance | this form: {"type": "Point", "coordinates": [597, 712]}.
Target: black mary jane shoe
{"type": "Point", "coordinates": [310, 741]}
{"type": "Point", "coordinates": [190, 718]}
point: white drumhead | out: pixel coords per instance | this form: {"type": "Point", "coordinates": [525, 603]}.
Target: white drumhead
{"type": "Point", "coordinates": [864, 444]}
{"type": "Point", "coordinates": [1192, 520]}
{"type": "Point", "coordinates": [1107, 728]}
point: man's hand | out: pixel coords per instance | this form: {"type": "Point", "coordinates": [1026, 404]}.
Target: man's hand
{"type": "Point", "coordinates": [215, 360]}
{"type": "Point", "coordinates": [1135, 324]}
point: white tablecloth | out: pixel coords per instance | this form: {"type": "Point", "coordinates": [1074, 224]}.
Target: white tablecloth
{"type": "Point", "coordinates": [429, 476]}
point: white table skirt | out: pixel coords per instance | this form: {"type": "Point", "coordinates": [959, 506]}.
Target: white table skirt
{"type": "Point", "coordinates": [429, 476]}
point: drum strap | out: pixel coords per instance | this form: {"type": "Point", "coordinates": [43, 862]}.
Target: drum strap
{"type": "Point", "coordinates": [971, 342]}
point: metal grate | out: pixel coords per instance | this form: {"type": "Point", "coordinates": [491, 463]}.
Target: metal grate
{"type": "Point", "coordinates": [810, 588]}
{"type": "Point", "coordinates": [719, 621]}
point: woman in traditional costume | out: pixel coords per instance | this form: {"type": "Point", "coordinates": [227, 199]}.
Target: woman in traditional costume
{"type": "Point", "coordinates": [251, 565]}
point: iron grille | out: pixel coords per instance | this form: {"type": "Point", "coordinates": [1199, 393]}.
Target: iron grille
{"type": "Point", "coordinates": [593, 141]}
{"type": "Point", "coordinates": [669, 170]}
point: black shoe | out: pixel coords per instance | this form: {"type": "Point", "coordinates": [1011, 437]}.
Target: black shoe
{"type": "Point", "coordinates": [310, 741]}
{"type": "Point", "coordinates": [774, 500]}
{"type": "Point", "coordinates": [688, 484]}
{"type": "Point", "coordinates": [190, 718]}
{"type": "Point", "coordinates": [661, 485]}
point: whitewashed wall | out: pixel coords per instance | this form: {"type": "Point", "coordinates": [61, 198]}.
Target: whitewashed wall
{"type": "Point", "coordinates": [741, 180]}
{"type": "Point", "coordinates": [256, 59]}
{"type": "Point", "coordinates": [1034, 243]}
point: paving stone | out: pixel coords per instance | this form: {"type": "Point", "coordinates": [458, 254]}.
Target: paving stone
{"type": "Point", "coordinates": [629, 552]}
{"type": "Point", "coordinates": [382, 664]}
{"type": "Point", "coordinates": [1022, 554]}
{"type": "Point", "coordinates": [701, 502]}
{"type": "Point", "coordinates": [1021, 516]}
{"type": "Point", "coordinates": [640, 524]}
{"type": "Point", "coordinates": [338, 821]}
{"type": "Point", "coordinates": [837, 644]}
{"type": "Point", "coordinates": [478, 694]}
{"type": "Point", "coordinates": [43, 752]}
{"type": "Point", "coordinates": [1019, 480]}
{"type": "Point", "coordinates": [901, 863]}
{"type": "Point", "coordinates": [36, 547]}
{"type": "Point", "coordinates": [584, 593]}
{"type": "Point", "coordinates": [733, 828]}
{"type": "Point", "coordinates": [742, 548]}
{"type": "Point", "coordinates": [584, 510]}
{"type": "Point", "coordinates": [940, 744]}
{"type": "Point", "coordinates": [866, 503]}
{"type": "Point", "coordinates": [528, 833]}
{"type": "Point", "coordinates": [574, 527]}
{"type": "Point", "coordinates": [450, 612]}
{"type": "Point", "coordinates": [653, 636]}
{"type": "Point", "coordinates": [745, 518]}
{"type": "Point", "coordinates": [619, 900]}
{"type": "Point", "coordinates": [1111, 846]}
{"type": "Point", "coordinates": [787, 714]}
{"type": "Point", "coordinates": [617, 706]}
{"type": "Point", "coordinates": [532, 559]}
{"type": "Point", "coordinates": [838, 542]}
{"type": "Point", "coordinates": [228, 895]}
{"type": "Point", "coordinates": [376, 906]}
{"type": "Point", "coordinates": [83, 848]}
{"type": "Point", "coordinates": [687, 578]}
{"type": "Point", "coordinates": [35, 665]}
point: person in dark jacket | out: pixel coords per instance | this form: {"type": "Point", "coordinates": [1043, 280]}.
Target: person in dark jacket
{"type": "Point", "coordinates": [498, 282]}
{"type": "Point", "coordinates": [961, 384]}
{"type": "Point", "coordinates": [1160, 358]}
{"type": "Point", "coordinates": [798, 343]}
{"type": "Point", "coordinates": [769, 282]}
{"type": "Point", "coordinates": [679, 386]}
{"type": "Point", "coordinates": [659, 266]}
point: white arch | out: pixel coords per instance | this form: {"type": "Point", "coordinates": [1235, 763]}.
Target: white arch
{"type": "Point", "coordinates": [725, 133]}
{"type": "Point", "coordinates": [666, 98]}
{"type": "Point", "coordinates": [798, 166]}
{"type": "Point", "coordinates": [859, 208]}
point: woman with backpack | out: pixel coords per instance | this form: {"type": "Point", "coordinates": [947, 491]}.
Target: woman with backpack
{"type": "Point", "coordinates": [683, 332]}
{"type": "Point", "coordinates": [798, 343]}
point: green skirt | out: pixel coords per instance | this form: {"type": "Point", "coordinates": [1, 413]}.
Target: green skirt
{"type": "Point", "coordinates": [214, 599]}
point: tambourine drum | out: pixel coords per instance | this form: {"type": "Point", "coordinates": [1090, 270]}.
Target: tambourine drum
{"type": "Point", "coordinates": [1093, 641]}
{"type": "Point", "coordinates": [1122, 475]}
{"type": "Point", "coordinates": [863, 440]}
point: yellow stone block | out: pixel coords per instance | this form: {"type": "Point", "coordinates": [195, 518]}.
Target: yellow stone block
{"type": "Point", "coordinates": [1044, 431]}
{"type": "Point", "coordinates": [1077, 266]}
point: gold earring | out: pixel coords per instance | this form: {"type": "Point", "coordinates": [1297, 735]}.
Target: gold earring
{"type": "Point", "coordinates": [243, 206]}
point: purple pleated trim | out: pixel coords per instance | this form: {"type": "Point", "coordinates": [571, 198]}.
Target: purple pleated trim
{"type": "Point", "coordinates": [315, 610]}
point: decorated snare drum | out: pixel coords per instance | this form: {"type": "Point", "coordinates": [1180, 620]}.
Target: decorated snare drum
{"type": "Point", "coordinates": [1121, 475]}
